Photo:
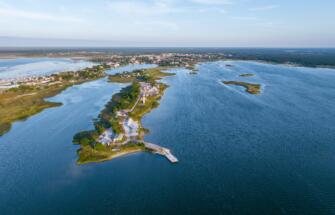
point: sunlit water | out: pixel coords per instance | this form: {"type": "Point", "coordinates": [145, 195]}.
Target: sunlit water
{"type": "Point", "coordinates": [27, 67]}
{"type": "Point", "coordinates": [239, 153]}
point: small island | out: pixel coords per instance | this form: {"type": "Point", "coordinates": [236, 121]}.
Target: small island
{"type": "Point", "coordinates": [247, 75]}
{"type": "Point", "coordinates": [118, 129]}
{"type": "Point", "coordinates": [192, 68]}
{"type": "Point", "coordinates": [28, 97]}
{"type": "Point", "coordinates": [250, 87]}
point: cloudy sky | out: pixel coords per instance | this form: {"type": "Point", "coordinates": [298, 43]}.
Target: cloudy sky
{"type": "Point", "coordinates": [210, 23]}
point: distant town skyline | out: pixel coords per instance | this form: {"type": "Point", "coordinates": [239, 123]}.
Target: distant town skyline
{"type": "Point", "coordinates": [167, 23]}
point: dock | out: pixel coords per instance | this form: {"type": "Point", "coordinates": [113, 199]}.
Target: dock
{"type": "Point", "coordinates": [162, 151]}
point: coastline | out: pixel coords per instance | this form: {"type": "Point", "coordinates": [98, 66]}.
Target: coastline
{"type": "Point", "coordinates": [111, 157]}
{"type": "Point", "coordinates": [251, 88]}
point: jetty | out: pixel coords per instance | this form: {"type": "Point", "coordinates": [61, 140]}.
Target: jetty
{"type": "Point", "coordinates": [161, 151]}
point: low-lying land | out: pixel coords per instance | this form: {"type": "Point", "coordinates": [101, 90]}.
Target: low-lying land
{"type": "Point", "coordinates": [146, 75]}
{"type": "Point", "coordinates": [250, 87]}
{"type": "Point", "coordinates": [100, 152]}
{"type": "Point", "coordinates": [29, 97]}
{"type": "Point", "coordinates": [247, 75]}
{"type": "Point", "coordinates": [118, 129]}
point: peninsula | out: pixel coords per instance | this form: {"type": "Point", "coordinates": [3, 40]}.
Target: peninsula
{"type": "Point", "coordinates": [118, 129]}
{"type": "Point", "coordinates": [28, 97]}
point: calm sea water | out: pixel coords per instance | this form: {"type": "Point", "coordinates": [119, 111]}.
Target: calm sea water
{"type": "Point", "coordinates": [27, 67]}
{"type": "Point", "coordinates": [239, 153]}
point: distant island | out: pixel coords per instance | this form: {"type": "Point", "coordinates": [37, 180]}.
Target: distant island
{"type": "Point", "coordinates": [250, 87]}
{"type": "Point", "coordinates": [118, 129]}
{"type": "Point", "coordinates": [247, 75]}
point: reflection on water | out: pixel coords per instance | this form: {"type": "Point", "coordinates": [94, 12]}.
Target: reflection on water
{"type": "Point", "coordinates": [27, 67]}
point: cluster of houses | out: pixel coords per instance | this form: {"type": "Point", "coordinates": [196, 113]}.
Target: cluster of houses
{"type": "Point", "coordinates": [173, 59]}
{"type": "Point", "coordinates": [113, 64]}
{"type": "Point", "coordinates": [108, 137]}
{"type": "Point", "coordinates": [176, 59]}
{"type": "Point", "coordinates": [5, 84]}
{"type": "Point", "coordinates": [31, 81]}
{"type": "Point", "coordinates": [129, 74]}
{"type": "Point", "coordinates": [147, 90]}
{"type": "Point", "coordinates": [131, 127]}
{"type": "Point", "coordinates": [45, 80]}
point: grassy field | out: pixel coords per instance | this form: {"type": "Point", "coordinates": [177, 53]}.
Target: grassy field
{"type": "Point", "coordinates": [21, 103]}
{"type": "Point", "coordinates": [100, 153]}
{"type": "Point", "coordinates": [250, 87]}
{"type": "Point", "coordinates": [151, 74]}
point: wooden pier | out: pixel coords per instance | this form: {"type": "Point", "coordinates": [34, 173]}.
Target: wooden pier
{"type": "Point", "coordinates": [162, 151]}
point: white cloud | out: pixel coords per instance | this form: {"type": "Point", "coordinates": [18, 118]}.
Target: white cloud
{"type": "Point", "coordinates": [245, 18]}
{"type": "Point", "coordinates": [211, 10]}
{"type": "Point", "coordinates": [6, 11]}
{"type": "Point", "coordinates": [263, 8]}
{"type": "Point", "coordinates": [140, 8]}
{"type": "Point", "coordinates": [213, 2]}
{"type": "Point", "coordinates": [265, 24]}
{"type": "Point", "coordinates": [157, 24]}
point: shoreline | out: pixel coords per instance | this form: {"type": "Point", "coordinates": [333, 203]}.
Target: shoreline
{"type": "Point", "coordinates": [118, 155]}
{"type": "Point", "coordinates": [251, 88]}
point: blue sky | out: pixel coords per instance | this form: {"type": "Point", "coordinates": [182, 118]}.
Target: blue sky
{"type": "Point", "coordinates": [210, 23]}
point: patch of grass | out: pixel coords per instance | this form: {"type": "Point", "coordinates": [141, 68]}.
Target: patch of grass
{"type": "Point", "coordinates": [119, 78]}
{"type": "Point", "coordinates": [19, 104]}
{"type": "Point", "coordinates": [150, 103]}
{"type": "Point", "coordinates": [147, 75]}
{"type": "Point", "coordinates": [101, 153]}
{"type": "Point", "coordinates": [4, 127]}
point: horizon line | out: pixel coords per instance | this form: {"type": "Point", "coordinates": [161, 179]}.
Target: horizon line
{"type": "Point", "coordinates": [2, 48]}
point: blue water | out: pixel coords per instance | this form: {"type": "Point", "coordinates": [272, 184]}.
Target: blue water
{"type": "Point", "coordinates": [27, 67]}
{"type": "Point", "coordinates": [239, 153]}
